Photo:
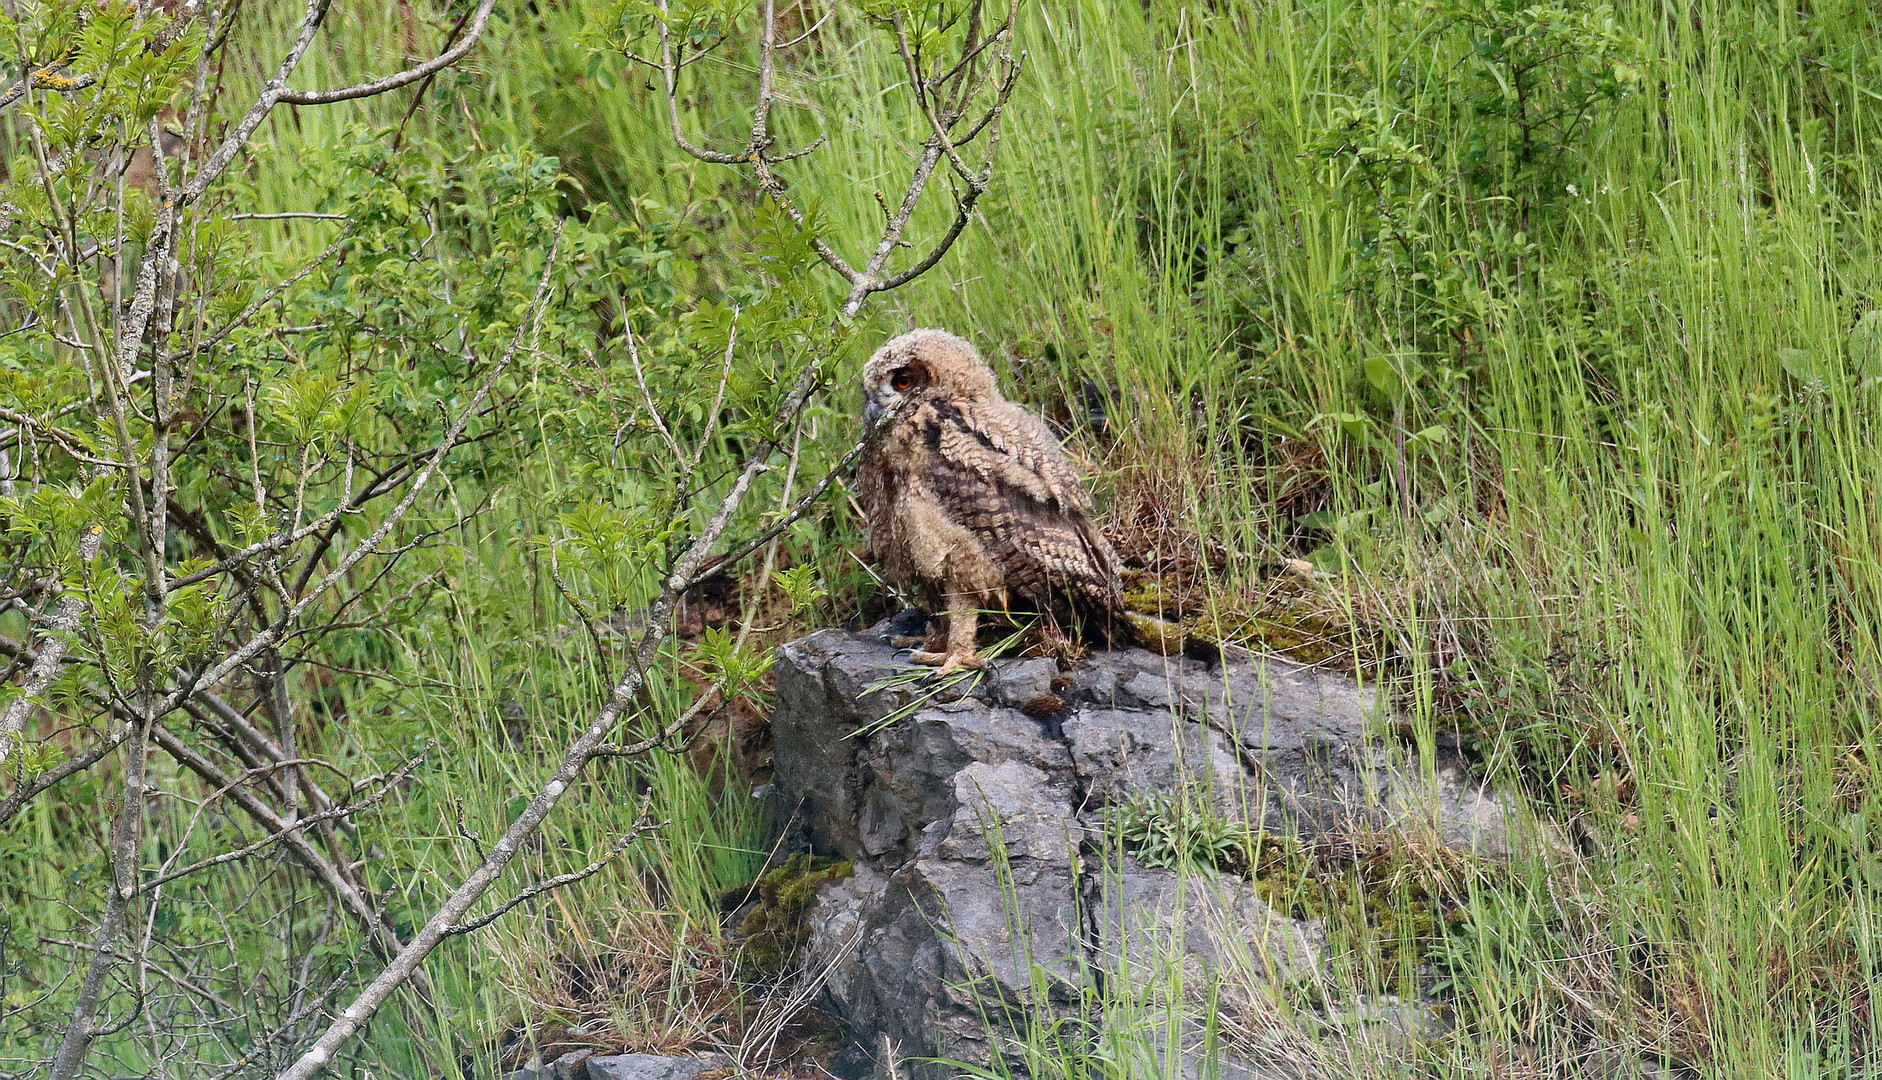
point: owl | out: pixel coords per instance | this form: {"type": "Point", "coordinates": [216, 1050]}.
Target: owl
{"type": "Point", "coordinates": [970, 500]}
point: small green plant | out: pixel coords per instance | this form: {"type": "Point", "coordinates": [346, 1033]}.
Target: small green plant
{"type": "Point", "coordinates": [801, 586]}
{"type": "Point", "coordinates": [1174, 832]}
{"type": "Point", "coordinates": [733, 668]}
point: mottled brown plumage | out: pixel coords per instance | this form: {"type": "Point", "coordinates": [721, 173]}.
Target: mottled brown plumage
{"type": "Point", "coordinates": [970, 500]}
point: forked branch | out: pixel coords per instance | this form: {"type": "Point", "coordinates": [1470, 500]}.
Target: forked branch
{"type": "Point", "coordinates": [944, 93]}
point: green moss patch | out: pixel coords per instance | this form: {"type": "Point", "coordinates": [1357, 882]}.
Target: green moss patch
{"type": "Point", "coordinates": [775, 929]}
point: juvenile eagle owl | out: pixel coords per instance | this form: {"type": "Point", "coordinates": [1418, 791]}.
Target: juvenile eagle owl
{"type": "Point", "coordinates": [969, 499]}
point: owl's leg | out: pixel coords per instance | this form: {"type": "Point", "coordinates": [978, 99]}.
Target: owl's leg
{"type": "Point", "coordinates": [962, 651]}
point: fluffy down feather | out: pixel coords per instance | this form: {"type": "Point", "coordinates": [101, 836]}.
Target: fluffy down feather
{"type": "Point", "coordinates": [970, 499]}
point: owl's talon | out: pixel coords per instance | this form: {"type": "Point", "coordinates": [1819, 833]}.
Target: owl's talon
{"type": "Point", "coordinates": [947, 663]}
{"type": "Point", "coordinates": [960, 663]}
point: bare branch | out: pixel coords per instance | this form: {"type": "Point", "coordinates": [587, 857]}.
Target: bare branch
{"type": "Point", "coordinates": [289, 215]}
{"type": "Point", "coordinates": [706, 704]}
{"type": "Point", "coordinates": [646, 393]}
{"type": "Point", "coordinates": [767, 68]}
{"type": "Point", "coordinates": [46, 665]}
{"type": "Point", "coordinates": [403, 78]}
{"type": "Point", "coordinates": [963, 212]}
{"type": "Point", "coordinates": [272, 543]}
{"type": "Point", "coordinates": [548, 884]}
{"type": "Point", "coordinates": [238, 725]}
{"type": "Point", "coordinates": [581, 610]}
{"type": "Point", "coordinates": [397, 777]}
{"type": "Point", "coordinates": [47, 78]}
{"type": "Point", "coordinates": [64, 440]}
{"type": "Point", "coordinates": [239, 134]}
{"type": "Point", "coordinates": [126, 831]}
{"type": "Point", "coordinates": [791, 155]}
{"type": "Point", "coordinates": [670, 65]}
{"type": "Point", "coordinates": [814, 27]}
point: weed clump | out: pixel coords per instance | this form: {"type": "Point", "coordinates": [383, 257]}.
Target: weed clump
{"type": "Point", "coordinates": [774, 929]}
{"type": "Point", "coordinates": [1172, 833]}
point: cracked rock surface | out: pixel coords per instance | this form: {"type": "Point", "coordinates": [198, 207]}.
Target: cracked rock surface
{"type": "Point", "coordinates": [981, 895]}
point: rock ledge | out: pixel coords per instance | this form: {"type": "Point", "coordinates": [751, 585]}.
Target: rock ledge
{"type": "Point", "coordinates": [984, 898]}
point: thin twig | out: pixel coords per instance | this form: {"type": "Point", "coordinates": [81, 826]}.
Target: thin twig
{"type": "Point", "coordinates": [684, 486]}
{"type": "Point", "coordinates": [397, 777]}
{"type": "Point", "coordinates": [557, 882]}
{"type": "Point", "coordinates": [646, 394]}
{"type": "Point", "coordinates": [287, 215]}
{"type": "Point", "coordinates": [810, 498]}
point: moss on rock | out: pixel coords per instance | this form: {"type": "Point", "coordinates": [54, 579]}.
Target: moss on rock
{"type": "Point", "coordinates": [774, 929]}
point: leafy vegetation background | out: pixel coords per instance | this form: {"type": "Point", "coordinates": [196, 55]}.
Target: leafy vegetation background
{"type": "Point", "coordinates": [1522, 355]}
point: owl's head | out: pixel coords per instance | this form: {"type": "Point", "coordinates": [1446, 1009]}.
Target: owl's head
{"type": "Point", "coordinates": [921, 361]}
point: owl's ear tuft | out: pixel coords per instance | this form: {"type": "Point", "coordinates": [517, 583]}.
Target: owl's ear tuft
{"type": "Point", "coordinates": [910, 376]}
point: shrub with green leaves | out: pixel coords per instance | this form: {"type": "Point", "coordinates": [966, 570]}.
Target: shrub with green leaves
{"type": "Point", "coordinates": [271, 405]}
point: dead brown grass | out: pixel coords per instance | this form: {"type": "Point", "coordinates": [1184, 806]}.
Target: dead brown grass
{"type": "Point", "coordinates": [634, 977]}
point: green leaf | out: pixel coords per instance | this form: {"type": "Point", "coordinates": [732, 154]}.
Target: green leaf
{"type": "Point", "coordinates": [1356, 426]}
{"type": "Point", "coordinates": [1802, 365]}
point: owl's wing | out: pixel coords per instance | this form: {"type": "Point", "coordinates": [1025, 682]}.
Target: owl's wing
{"type": "Point", "coordinates": [998, 471]}
{"type": "Point", "coordinates": [1007, 446]}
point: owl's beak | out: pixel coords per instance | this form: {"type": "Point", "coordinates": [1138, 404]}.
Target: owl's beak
{"type": "Point", "coordinates": [871, 410]}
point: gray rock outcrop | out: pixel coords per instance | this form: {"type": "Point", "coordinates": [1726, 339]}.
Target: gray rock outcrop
{"type": "Point", "coordinates": [649, 1067]}
{"type": "Point", "coordinates": [985, 898]}
{"type": "Point", "coordinates": [589, 1065]}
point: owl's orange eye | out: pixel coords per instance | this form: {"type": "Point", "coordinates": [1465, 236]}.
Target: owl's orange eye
{"type": "Point", "coordinates": [902, 380]}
